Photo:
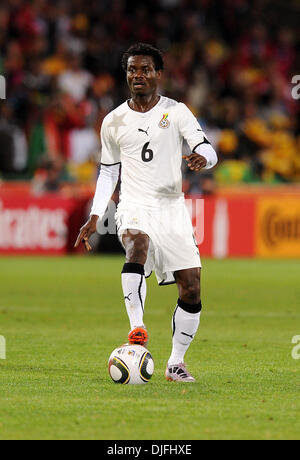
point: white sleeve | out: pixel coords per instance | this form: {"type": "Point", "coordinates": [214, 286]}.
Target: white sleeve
{"type": "Point", "coordinates": [208, 152]}
{"type": "Point", "coordinates": [110, 151]}
{"type": "Point", "coordinates": [190, 128]}
{"type": "Point", "coordinates": [106, 185]}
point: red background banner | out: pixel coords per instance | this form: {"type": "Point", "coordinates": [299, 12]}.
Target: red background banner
{"type": "Point", "coordinates": [46, 225]}
{"type": "Point", "coordinates": [233, 222]}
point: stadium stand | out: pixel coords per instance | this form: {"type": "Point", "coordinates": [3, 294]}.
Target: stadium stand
{"type": "Point", "coordinates": [61, 61]}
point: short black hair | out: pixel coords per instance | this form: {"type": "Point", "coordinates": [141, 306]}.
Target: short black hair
{"type": "Point", "coordinates": [144, 49]}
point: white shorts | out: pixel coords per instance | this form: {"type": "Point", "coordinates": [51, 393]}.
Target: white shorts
{"type": "Point", "coordinates": [172, 242]}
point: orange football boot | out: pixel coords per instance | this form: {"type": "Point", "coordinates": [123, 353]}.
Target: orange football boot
{"type": "Point", "coordinates": [138, 336]}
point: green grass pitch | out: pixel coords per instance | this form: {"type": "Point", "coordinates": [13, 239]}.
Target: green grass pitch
{"type": "Point", "coordinates": [62, 317]}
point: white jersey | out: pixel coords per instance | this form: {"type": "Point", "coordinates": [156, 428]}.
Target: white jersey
{"type": "Point", "coordinates": [149, 148]}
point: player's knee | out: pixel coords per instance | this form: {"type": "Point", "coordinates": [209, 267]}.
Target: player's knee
{"type": "Point", "coordinates": [191, 296]}
{"type": "Point", "coordinates": [137, 252]}
{"type": "Point", "coordinates": [191, 292]}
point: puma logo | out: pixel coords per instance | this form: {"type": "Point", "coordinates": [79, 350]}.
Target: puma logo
{"type": "Point", "coordinates": [143, 131]}
{"type": "Point", "coordinates": [128, 297]}
{"type": "Point", "coordinates": [188, 335]}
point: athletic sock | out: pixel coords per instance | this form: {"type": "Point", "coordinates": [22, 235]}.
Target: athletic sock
{"type": "Point", "coordinates": [134, 289]}
{"type": "Point", "coordinates": [186, 319]}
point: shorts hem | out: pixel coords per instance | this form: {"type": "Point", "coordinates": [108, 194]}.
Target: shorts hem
{"type": "Point", "coordinates": [163, 283]}
{"type": "Point", "coordinates": [173, 270]}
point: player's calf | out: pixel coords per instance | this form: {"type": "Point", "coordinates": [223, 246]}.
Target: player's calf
{"type": "Point", "coordinates": [186, 320]}
{"type": "Point", "coordinates": [134, 289]}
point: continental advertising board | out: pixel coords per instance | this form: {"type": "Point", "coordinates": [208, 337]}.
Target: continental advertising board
{"type": "Point", "coordinates": [252, 226]}
{"type": "Point", "coordinates": [277, 227]}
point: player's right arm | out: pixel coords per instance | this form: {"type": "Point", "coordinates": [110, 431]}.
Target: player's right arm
{"type": "Point", "coordinates": [106, 184]}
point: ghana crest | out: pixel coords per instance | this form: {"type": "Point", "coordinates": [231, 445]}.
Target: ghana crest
{"type": "Point", "coordinates": [164, 122]}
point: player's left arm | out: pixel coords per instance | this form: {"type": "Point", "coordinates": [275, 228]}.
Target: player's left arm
{"type": "Point", "coordinates": [203, 155]}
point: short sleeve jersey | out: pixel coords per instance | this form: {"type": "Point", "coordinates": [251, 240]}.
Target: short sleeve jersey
{"type": "Point", "coordinates": [149, 148]}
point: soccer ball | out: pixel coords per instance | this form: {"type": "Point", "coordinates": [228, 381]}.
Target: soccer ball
{"type": "Point", "coordinates": [131, 364]}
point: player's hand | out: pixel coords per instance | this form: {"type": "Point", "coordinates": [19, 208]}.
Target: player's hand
{"type": "Point", "coordinates": [86, 231]}
{"type": "Point", "coordinates": [195, 161]}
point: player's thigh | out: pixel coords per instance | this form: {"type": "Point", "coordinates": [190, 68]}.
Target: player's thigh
{"type": "Point", "coordinates": [189, 282]}
{"type": "Point", "coordinates": [136, 244]}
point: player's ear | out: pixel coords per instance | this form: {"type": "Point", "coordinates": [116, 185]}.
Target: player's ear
{"type": "Point", "coordinates": [158, 74]}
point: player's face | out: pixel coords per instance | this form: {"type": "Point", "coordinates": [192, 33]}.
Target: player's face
{"type": "Point", "coordinates": [142, 78]}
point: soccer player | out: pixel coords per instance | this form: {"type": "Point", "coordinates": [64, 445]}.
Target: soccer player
{"type": "Point", "coordinates": [145, 135]}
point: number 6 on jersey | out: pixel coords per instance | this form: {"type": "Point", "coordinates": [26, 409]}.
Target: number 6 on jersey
{"type": "Point", "coordinates": [147, 154]}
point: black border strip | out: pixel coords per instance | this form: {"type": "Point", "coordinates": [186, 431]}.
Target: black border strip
{"type": "Point", "coordinates": [140, 294]}
{"type": "Point", "coordinates": [173, 319]}
{"type": "Point", "coordinates": [131, 267]}
{"type": "Point", "coordinates": [162, 283]}
{"type": "Point", "coordinates": [200, 143]}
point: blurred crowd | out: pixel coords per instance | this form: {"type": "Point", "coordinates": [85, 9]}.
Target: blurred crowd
{"type": "Point", "coordinates": [230, 61]}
